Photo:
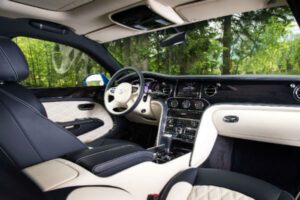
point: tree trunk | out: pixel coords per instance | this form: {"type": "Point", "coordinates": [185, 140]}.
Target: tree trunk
{"type": "Point", "coordinates": [127, 52]}
{"type": "Point", "coordinates": [227, 40]}
{"type": "Point", "coordinates": [157, 51]}
{"type": "Point", "coordinates": [33, 75]}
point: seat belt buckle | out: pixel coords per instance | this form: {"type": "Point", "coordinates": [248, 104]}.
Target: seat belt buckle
{"type": "Point", "coordinates": [153, 197]}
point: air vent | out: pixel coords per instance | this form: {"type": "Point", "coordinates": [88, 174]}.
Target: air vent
{"type": "Point", "coordinates": [211, 90]}
{"type": "Point", "coordinates": [297, 93]}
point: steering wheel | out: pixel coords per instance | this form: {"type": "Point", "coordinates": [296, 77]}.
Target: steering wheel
{"type": "Point", "coordinates": [121, 99]}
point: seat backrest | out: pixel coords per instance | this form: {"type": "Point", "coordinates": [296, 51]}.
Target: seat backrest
{"type": "Point", "coordinates": [27, 137]}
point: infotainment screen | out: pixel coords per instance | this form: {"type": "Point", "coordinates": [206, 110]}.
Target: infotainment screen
{"type": "Point", "coordinates": [188, 89]}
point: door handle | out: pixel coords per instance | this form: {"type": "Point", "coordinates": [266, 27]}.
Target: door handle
{"type": "Point", "coordinates": [86, 106]}
{"type": "Point", "coordinates": [82, 126]}
{"type": "Point", "coordinates": [231, 119]}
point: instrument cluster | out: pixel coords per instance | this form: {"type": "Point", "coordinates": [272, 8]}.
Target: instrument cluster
{"type": "Point", "coordinates": [188, 89]}
{"type": "Point", "coordinates": [157, 88]}
{"type": "Point", "coordinates": [180, 95]}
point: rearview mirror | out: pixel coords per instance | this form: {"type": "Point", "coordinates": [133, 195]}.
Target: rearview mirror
{"type": "Point", "coordinates": [175, 39]}
{"type": "Point", "coordinates": [95, 80]}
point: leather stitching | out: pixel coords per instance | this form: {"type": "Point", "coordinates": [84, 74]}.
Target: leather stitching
{"type": "Point", "coordinates": [214, 192]}
{"type": "Point", "coordinates": [116, 148]}
{"type": "Point", "coordinates": [19, 100]}
{"type": "Point", "coordinates": [100, 146]}
{"type": "Point", "coordinates": [37, 112]}
{"type": "Point", "coordinates": [8, 157]}
{"type": "Point", "coordinates": [110, 161]}
{"type": "Point", "coordinates": [21, 130]}
{"type": "Point", "coordinates": [11, 66]}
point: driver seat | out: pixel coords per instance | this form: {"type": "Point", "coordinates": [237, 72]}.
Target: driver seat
{"type": "Point", "coordinates": [28, 137]}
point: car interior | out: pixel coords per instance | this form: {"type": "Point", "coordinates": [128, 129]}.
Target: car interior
{"type": "Point", "coordinates": [130, 130]}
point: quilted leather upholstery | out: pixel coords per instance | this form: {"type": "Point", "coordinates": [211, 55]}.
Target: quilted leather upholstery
{"type": "Point", "coordinates": [215, 193]}
{"type": "Point", "coordinates": [216, 184]}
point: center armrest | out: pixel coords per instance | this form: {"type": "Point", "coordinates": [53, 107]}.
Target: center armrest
{"type": "Point", "coordinates": [110, 159]}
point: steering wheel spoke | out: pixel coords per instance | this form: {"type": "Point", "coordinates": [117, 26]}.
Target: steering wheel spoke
{"type": "Point", "coordinates": [125, 97]}
{"type": "Point", "coordinates": [111, 91]}
{"type": "Point", "coordinates": [135, 89]}
{"type": "Point", "coordinates": [113, 104]}
{"type": "Point", "coordinates": [131, 101]}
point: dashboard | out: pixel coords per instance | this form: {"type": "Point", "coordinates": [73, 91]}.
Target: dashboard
{"type": "Point", "coordinates": [185, 98]}
{"type": "Point", "coordinates": [262, 90]}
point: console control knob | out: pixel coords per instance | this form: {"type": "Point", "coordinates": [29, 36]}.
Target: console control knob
{"type": "Point", "coordinates": [186, 104]}
{"type": "Point", "coordinates": [174, 103]}
{"type": "Point", "coordinates": [199, 105]}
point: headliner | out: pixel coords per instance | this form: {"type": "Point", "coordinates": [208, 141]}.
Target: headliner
{"type": "Point", "coordinates": [91, 17]}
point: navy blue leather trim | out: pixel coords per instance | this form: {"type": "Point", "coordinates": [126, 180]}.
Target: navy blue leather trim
{"type": "Point", "coordinates": [30, 137]}
{"type": "Point", "coordinates": [34, 110]}
{"type": "Point", "coordinates": [111, 156]}
{"type": "Point", "coordinates": [8, 158]}
{"type": "Point", "coordinates": [18, 126]}
{"type": "Point", "coordinates": [13, 65]}
{"type": "Point", "coordinates": [10, 65]}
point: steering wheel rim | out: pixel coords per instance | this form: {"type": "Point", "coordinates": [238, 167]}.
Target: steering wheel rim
{"type": "Point", "coordinates": [121, 93]}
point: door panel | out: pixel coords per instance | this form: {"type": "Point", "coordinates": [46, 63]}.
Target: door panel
{"type": "Point", "coordinates": [68, 104]}
{"type": "Point", "coordinates": [81, 126]}
{"type": "Point", "coordinates": [66, 111]}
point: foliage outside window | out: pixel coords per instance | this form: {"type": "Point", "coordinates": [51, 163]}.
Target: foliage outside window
{"type": "Point", "coordinates": [259, 42]}
{"type": "Point", "coordinates": [55, 65]}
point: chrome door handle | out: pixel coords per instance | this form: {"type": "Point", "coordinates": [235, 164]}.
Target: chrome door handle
{"type": "Point", "coordinates": [231, 119]}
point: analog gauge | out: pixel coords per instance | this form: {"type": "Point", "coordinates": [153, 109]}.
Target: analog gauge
{"type": "Point", "coordinates": [186, 104]}
{"type": "Point", "coordinates": [174, 103]}
{"type": "Point", "coordinates": [199, 105]}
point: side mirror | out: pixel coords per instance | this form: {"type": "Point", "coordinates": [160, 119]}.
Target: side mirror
{"type": "Point", "coordinates": [95, 80]}
{"type": "Point", "coordinates": [175, 39]}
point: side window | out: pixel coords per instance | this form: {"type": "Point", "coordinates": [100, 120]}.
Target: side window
{"type": "Point", "coordinates": [55, 65]}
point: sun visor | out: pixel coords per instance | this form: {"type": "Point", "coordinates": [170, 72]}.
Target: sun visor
{"type": "Point", "coordinates": [145, 17]}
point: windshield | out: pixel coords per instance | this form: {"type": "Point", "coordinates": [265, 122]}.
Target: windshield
{"type": "Point", "coordinates": [260, 42]}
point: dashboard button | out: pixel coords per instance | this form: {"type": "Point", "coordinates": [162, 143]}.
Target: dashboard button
{"type": "Point", "coordinates": [194, 124]}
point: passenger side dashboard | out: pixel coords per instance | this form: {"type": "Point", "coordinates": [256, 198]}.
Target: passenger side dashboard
{"type": "Point", "coordinates": [184, 99]}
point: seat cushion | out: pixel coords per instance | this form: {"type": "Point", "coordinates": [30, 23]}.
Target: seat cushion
{"type": "Point", "coordinates": [217, 184]}
{"type": "Point", "coordinates": [111, 156]}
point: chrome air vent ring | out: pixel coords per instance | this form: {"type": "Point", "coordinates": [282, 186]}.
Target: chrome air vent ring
{"type": "Point", "coordinates": [296, 93]}
{"type": "Point", "coordinates": [211, 90]}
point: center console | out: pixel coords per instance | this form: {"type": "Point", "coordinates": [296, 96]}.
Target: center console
{"type": "Point", "coordinates": [180, 123]}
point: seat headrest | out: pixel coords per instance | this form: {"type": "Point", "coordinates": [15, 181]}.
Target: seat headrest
{"type": "Point", "coordinates": [13, 65]}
